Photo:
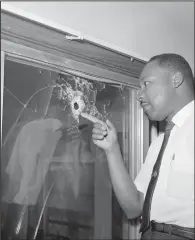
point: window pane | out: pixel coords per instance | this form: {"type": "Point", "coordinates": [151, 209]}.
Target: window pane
{"type": "Point", "coordinates": [55, 181]}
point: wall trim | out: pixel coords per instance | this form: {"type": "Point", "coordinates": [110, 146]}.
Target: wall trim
{"type": "Point", "coordinates": [9, 8]}
{"type": "Point", "coordinates": [29, 33]}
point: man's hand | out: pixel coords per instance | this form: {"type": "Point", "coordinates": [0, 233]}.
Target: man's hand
{"type": "Point", "coordinates": [104, 135]}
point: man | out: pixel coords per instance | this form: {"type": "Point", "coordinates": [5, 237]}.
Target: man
{"type": "Point", "coordinates": [166, 179]}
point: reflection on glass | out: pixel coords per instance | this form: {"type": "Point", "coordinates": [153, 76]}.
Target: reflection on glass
{"type": "Point", "coordinates": [50, 172]}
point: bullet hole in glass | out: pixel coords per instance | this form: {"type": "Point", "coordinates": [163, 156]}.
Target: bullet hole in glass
{"type": "Point", "coordinates": [76, 106]}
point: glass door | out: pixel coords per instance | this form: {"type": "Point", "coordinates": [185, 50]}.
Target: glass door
{"type": "Point", "coordinates": [55, 182]}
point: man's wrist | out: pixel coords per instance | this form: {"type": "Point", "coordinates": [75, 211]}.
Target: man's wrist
{"type": "Point", "coordinates": [113, 149]}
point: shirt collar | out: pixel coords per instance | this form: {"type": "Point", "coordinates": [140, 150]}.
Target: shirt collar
{"type": "Point", "coordinates": [181, 116]}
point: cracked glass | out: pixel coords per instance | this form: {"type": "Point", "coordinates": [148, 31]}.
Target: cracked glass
{"type": "Point", "coordinates": [52, 175]}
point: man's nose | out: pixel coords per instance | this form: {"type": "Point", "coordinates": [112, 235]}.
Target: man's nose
{"type": "Point", "coordinates": [140, 95]}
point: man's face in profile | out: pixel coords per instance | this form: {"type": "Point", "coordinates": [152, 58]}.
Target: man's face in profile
{"type": "Point", "coordinates": [156, 91]}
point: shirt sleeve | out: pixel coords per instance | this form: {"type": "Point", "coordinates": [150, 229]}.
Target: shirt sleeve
{"type": "Point", "coordinates": [144, 176]}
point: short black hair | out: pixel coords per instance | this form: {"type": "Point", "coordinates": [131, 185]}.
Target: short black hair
{"type": "Point", "coordinates": [174, 62]}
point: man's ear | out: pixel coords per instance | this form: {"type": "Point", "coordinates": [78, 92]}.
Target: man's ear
{"type": "Point", "coordinates": [177, 79]}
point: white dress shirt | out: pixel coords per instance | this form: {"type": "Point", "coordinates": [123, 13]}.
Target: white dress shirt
{"type": "Point", "coordinates": [173, 199]}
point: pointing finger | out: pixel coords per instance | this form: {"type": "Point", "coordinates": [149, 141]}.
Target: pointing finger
{"type": "Point", "coordinates": [92, 119]}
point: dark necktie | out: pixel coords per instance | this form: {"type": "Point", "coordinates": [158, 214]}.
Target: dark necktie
{"type": "Point", "coordinates": [145, 222]}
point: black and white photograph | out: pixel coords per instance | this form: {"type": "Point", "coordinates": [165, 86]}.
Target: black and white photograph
{"type": "Point", "coordinates": [97, 120]}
